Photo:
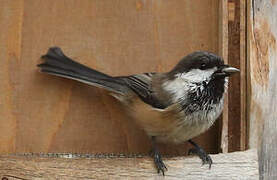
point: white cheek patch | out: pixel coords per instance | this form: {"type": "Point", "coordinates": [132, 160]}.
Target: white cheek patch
{"type": "Point", "coordinates": [177, 87]}
{"type": "Point", "coordinates": [197, 75]}
{"type": "Point", "coordinates": [185, 82]}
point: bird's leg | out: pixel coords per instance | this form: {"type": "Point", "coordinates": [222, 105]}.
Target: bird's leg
{"type": "Point", "coordinates": [206, 159]}
{"type": "Point", "coordinates": [157, 157]}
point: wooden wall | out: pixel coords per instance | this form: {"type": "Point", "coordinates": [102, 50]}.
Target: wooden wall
{"type": "Point", "coordinates": [263, 82]}
{"type": "Point", "coordinates": [39, 113]}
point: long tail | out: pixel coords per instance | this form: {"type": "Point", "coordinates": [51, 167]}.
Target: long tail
{"type": "Point", "coordinates": [56, 63]}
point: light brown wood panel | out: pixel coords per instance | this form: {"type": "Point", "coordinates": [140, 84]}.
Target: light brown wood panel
{"type": "Point", "coordinates": [263, 71]}
{"type": "Point", "coordinates": [237, 165]}
{"type": "Point", "coordinates": [120, 37]}
{"type": "Point", "coordinates": [10, 54]}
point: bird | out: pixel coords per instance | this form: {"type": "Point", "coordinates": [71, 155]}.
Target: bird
{"type": "Point", "coordinates": [171, 107]}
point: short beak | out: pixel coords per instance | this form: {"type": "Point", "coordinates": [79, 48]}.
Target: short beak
{"type": "Point", "coordinates": [225, 71]}
{"type": "Point", "coordinates": [229, 70]}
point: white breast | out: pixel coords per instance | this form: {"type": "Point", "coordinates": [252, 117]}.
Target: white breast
{"type": "Point", "coordinates": [193, 125]}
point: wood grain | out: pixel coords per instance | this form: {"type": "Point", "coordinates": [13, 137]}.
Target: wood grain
{"type": "Point", "coordinates": [263, 70]}
{"type": "Point", "coordinates": [10, 57]}
{"type": "Point", "coordinates": [223, 51]}
{"type": "Point", "coordinates": [235, 59]}
{"type": "Point", "coordinates": [234, 123]}
{"type": "Point", "coordinates": [244, 74]}
{"type": "Point", "coordinates": [48, 114]}
{"type": "Point", "coordinates": [238, 165]}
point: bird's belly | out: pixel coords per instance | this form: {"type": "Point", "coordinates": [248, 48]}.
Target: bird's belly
{"type": "Point", "coordinates": [173, 126]}
{"type": "Point", "coordinates": [192, 125]}
{"type": "Point", "coordinates": [184, 132]}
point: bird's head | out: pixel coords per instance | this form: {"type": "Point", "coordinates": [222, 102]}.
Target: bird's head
{"type": "Point", "coordinates": [201, 66]}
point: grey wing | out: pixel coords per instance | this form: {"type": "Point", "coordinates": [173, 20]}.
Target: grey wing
{"type": "Point", "coordinates": [141, 84]}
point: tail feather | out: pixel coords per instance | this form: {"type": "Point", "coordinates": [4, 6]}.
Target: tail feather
{"type": "Point", "coordinates": [56, 63]}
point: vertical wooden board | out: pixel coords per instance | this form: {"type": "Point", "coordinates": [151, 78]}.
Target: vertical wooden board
{"type": "Point", "coordinates": [234, 116]}
{"type": "Point", "coordinates": [244, 138]}
{"type": "Point", "coordinates": [234, 59]}
{"type": "Point", "coordinates": [263, 71]}
{"type": "Point", "coordinates": [223, 51]}
{"type": "Point", "coordinates": [117, 37]}
{"type": "Point", "coordinates": [10, 41]}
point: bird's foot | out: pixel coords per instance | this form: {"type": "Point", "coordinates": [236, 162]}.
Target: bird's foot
{"type": "Point", "coordinates": [158, 161]}
{"type": "Point", "coordinates": [206, 158]}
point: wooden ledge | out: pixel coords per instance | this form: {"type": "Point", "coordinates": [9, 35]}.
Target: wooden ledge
{"type": "Point", "coordinates": [237, 165]}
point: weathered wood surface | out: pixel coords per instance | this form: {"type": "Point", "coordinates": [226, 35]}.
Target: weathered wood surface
{"type": "Point", "coordinates": [263, 71]}
{"type": "Point", "coordinates": [238, 166]}
{"type": "Point", "coordinates": [39, 113]}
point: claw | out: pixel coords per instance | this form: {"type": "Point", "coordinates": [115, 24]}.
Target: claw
{"type": "Point", "coordinates": [159, 162]}
{"type": "Point", "coordinates": [157, 158]}
{"type": "Point", "coordinates": [206, 159]}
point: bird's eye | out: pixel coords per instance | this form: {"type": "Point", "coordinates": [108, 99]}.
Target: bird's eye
{"type": "Point", "coordinates": [203, 66]}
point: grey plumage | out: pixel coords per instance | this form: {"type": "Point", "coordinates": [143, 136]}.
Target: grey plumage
{"type": "Point", "coordinates": [58, 64]}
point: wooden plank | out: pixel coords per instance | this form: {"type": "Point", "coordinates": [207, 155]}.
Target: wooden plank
{"type": "Point", "coordinates": [10, 47]}
{"type": "Point", "coordinates": [234, 127]}
{"type": "Point", "coordinates": [263, 70]}
{"type": "Point", "coordinates": [244, 124]}
{"type": "Point", "coordinates": [234, 59]}
{"type": "Point", "coordinates": [234, 131]}
{"type": "Point", "coordinates": [117, 37]}
{"type": "Point", "coordinates": [238, 165]}
{"type": "Point", "coordinates": [223, 51]}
